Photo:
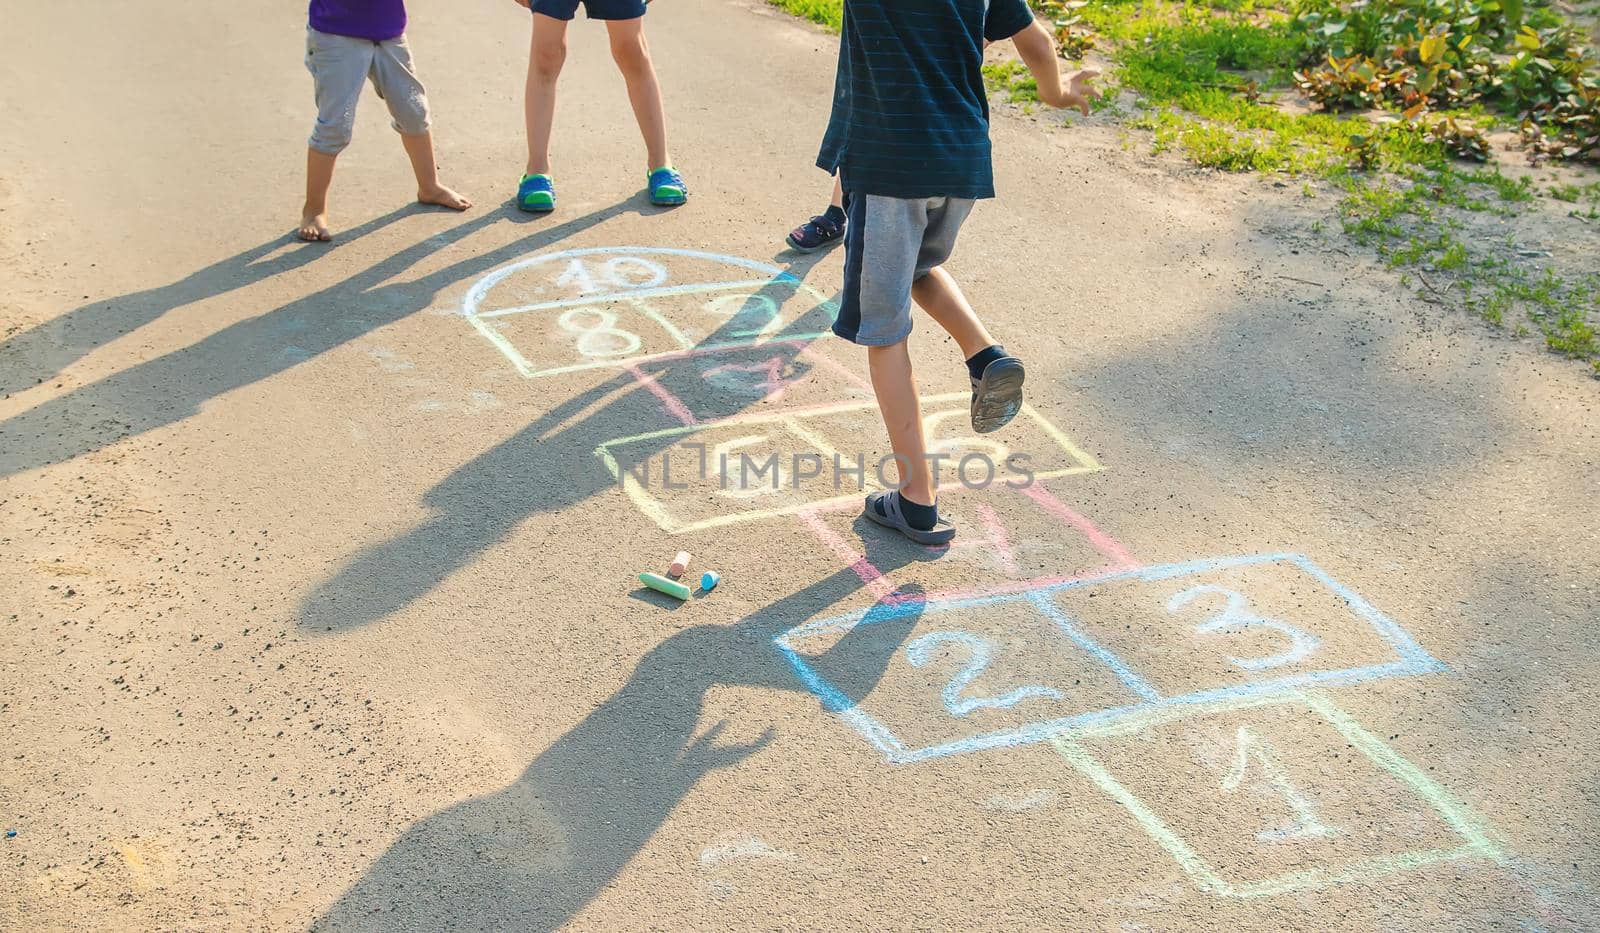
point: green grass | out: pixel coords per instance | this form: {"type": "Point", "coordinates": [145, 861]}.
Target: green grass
{"type": "Point", "coordinates": [1204, 74]}
{"type": "Point", "coordinates": [1013, 80]}
{"type": "Point", "coordinates": [1405, 221]}
{"type": "Point", "coordinates": [1198, 70]}
{"type": "Point", "coordinates": [829, 13]}
{"type": "Point", "coordinates": [1232, 146]}
{"type": "Point", "coordinates": [1572, 194]}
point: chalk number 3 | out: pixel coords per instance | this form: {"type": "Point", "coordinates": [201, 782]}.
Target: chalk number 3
{"type": "Point", "coordinates": [979, 653]}
{"type": "Point", "coordinates": [1236, 613]}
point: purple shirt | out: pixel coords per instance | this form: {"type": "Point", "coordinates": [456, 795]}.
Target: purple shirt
{"type": "Point", "coordinates": [361, 19]}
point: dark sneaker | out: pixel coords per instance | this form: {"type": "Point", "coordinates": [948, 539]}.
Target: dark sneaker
{"type": "Point", "coordinates": [997, 396]}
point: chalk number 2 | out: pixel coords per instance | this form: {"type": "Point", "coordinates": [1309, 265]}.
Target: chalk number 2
{"type": "Point", "coordinates": [979, 653]}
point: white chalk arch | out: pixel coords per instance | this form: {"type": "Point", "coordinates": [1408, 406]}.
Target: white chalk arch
{"type": "Point", "coordinates": [619, 306]}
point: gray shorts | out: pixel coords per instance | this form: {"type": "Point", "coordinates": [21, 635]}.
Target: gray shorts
{"type": "Point", "coordinates": [888, 244]}
{"type": "Point", "coordinates": [341, 64]}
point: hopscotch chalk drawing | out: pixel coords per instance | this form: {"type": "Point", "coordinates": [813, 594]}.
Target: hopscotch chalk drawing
{"type": "Point", "coordinates": [619, 306]}
{"type": "Point", "coordinates": [1056, 658]}
{"type": "Point", "coordinates": [1318, 809]}
{"type": "Point", "coordinates": [1191, 694]}
{"type": "Point", "coordinates": [752, 467]}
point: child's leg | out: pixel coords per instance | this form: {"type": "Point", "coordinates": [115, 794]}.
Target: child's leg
{"type": "Point", "coordinates": [632, 54]}
{"type": "Point", "coordinates": [997, 377]}
{"type": "Point", "coordinates": [314, 215]}
{"type": "Point", "coordinates": [419, 149]}
{"type": "Point", "coordinates": [883, 240]}
{"type": "Point", "coordinates": [938, 294]}
{"type": "Point", "coordinates": [896, 388]}
{"type": "Point", "coordinates": [395, 78]}
{"type": "Point", "coordinates": [546, 54]}
{"type": "Point", "coordinates": [339, 67]}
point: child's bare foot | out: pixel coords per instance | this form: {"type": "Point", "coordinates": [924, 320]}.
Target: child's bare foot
{"type": "Point", "coordinates": [314, 228]}
{"type": "Point", "coordinates": [444, 197]}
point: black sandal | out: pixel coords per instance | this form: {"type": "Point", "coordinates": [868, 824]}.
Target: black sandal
{"type": "Point", "coordinates": [815, 233]}
{"type": "Point", "coordinates": [997, 397]}
{"type": "Point", "coordinates": [941, 532]}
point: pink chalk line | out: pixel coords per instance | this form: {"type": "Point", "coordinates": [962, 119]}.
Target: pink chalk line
{"type": "Point", "coordinates": [995, 531]}
{"type": "Point", "coordinates": [679, 409]}
{"type": "Point", "coordinates": [1102, 542]}
{"type": "Point", "coordinates": [769, 368]}
{"type": "Point", "coordinates": [871, 577]}
{"type": "Point", "coordinates": [669, 401]}
{"type": "Point", "coordinates": [878, 584]}
{"type": "Point", "coordinates": [810, 351]}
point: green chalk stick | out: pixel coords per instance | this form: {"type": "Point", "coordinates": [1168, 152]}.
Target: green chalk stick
{"type": "Point", "coordinates": [663, 585]}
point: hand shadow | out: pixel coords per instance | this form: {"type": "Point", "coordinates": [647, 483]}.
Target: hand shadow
{"type": "Point", "coordinates": [532, 855]}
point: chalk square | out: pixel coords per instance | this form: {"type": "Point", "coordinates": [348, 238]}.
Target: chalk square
{"type": "Point", "coordinates": [1011, 540]}
{"type": "Point", "coordinates": [1407, 658]}
{"type": "Point", "coordinates": [1255, 809]}
{"type": "Point", "coordinates": [1205, 629]}
{"type": "Point", "coordinates": [958, 680]}
{"type": "Point", "coordinates": [621, 306]}
{"type": "Point", "coordinates": [840, 437]}
{"type": "Point", "coordinates": [778, 375]}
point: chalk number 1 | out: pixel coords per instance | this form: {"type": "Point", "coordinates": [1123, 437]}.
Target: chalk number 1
{"type": "Point", "coordinates": [1251, 749]}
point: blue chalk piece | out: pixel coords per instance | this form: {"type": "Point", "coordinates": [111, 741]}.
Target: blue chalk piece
{"type": "Point", "coordinates": [11, 834]}
{"type": "Point", "coordinates": [709, 580]}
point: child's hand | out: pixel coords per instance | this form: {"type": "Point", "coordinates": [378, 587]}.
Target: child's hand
{"type": "Point", "coordinates": [1078, 92]}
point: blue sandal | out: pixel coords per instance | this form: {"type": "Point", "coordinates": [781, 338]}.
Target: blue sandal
{"type": "Point", "coordinates": [667, 188]}
{"type": "Point", "coordinates": [536, 194]}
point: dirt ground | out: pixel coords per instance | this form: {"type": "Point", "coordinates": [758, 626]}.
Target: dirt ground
{"type": "Point", "coordinates": [319, 602]}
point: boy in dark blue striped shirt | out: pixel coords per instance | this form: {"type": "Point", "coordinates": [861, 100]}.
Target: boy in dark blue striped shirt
{"type": "Point", "coordinates": [909, 137]}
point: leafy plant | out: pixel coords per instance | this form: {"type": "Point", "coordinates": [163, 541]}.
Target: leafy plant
{"type": "Point", "coordinates": [1075, 36]}
{"type": "Point", "coordinates": [1462, 139]}
{"type": "Point", "coordinates": [1420, 55]}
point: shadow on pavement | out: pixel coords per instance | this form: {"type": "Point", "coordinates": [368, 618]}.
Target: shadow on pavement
{"type": "Point", "coordinates": [546, 467]}
{"type": "Point", "coordinates": [43, 352]}
{"type": "Point", "coordinates": [171, 387]}
{"type": "Point", "coordinates": [529, 857]}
